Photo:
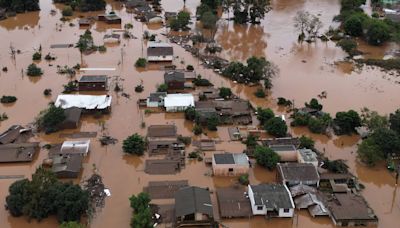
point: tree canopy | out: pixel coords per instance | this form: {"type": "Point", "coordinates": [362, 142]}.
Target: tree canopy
{"type": "Point", "coordinates": [50, 119]}
{"type": "Point", "coordinates": [142, 217]}
{"type": "Point", "coordinates": [84, 5]}
{"type": "Point", "coordinates": [276, 127]}
{"type": "Point", "coordinates": [44, 195]}
{"type": "Point", "coordinates": [20, 6]}
{"type": "Point", "coordinates": [394, 120]}
{"type": "Point", "coordinates": [134, 144]}
{"type": "Point", "coordinates": [266, 157]}
{"type": "Point", "coordinates": [180, 22]}
{"type": "Point", "coordinates": [346, 122]}
{"type": "Point", "coordinates": [263, 115]}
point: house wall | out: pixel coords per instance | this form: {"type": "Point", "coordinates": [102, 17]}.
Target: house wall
{"type": "Point", "coordinates": [152, 104]}
{"type": "Point", "coordinates": [253, 206]}
{"type": "Point", "coordinates": [223, 169]}
{"type": "Point", "coordinates": [92, 86]}
{"type": "Point", "coordinates": [167, 58]}
{"type": "Point", "coordinates": [283, 214]}
{"type": "Point", "coordinates": [287, 156]}
{"type": "Point", "coordinates": [176, 108]}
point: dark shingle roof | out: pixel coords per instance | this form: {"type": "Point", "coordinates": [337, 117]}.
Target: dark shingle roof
{"type": "Point", "coordinates": [11, 134]}
{"type": "Point", "coordinates": [161, 131]}
{"type": "Point", "coordinates": [272, 196]}
{"type": "Point", "coordinates": [298, 171]}
{"type": "Point", "coordinates": [93, 78]}
{"type": "Point", "coordinates": [157, 97]}
{"type": "Point", "coordinates": [192, 200]}
{"type": "Point", "coordinates": [21, 152]}
{"type": "Point", "coordinates": [349, 206]}
{"type": "Point", "coordinates": [174, 76]}
{"type": "Point", "coordinates": [224, 158]}
{"type": "Point", "coordinates": [159, 49]}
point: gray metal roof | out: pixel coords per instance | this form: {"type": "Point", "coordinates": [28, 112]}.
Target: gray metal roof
{"type": "Point", "coordinates": [224, 158]}
{"type": "Point", "coordinates": [161, 131]}
{"type": "Point", "coordinates": [159, 49]}
{"type": "Point", "coordinates": [283, 147]}
{"type": "Point", "coordinates": [174, 76]}
{"type": "Point", "coordinates": [272, 196]}
{"type": "Point", "coordinates": [93, 78]}
{"type": "Point", "coordinates": [192, 200]}
{"type": "Point", "coordinates": [298, 172]}
{"type": "Point", "coordinates": [71, 163]}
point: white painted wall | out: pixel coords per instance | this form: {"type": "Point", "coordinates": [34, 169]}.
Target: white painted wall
{"type": "Point", "coordinates": [253, 206]}
{"type": "Point", "coordinates": [168, 58]}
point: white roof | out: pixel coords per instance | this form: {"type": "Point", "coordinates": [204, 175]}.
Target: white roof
{"type": "Point", "coordinates": [158, 44]}
{"type": "Point", "coordinates": [176, 100]}
{"type": "Point", "coordinates": [83, 101]}
{"type": "Point", "coordinates": [75, 147]}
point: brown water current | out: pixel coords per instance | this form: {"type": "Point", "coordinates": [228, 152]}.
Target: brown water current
{"type": "Point", "coordinates": [305, 71]}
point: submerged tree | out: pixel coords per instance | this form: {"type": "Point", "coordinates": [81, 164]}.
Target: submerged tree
{"type": "Point", "coordinates": [85, 43]}
{"type": "Point", "coordinates": [308, 25]}
{"type": "Point", "coordinates": [134, 144]}
{"type": "Point", "coordinates": [266, 157]}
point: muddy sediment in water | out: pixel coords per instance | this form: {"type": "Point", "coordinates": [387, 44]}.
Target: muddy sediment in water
{"type": "Point", "coordinates": [305, 71]}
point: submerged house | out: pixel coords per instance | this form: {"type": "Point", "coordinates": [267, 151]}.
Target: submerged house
{"type": "Point", "coordinates": [178, 102]}
{"type": "Point", "coordinates": [18, 152]}
{"type": "Point", "coordinates": [67, 166]}
{"type": "Point", "coordinates": [271, 200]}
{"type": "Point", "coordinates": [175, 80]}
{"type": "Point", "coordinates": [162, 139]}
{"type": "Point", "coordinates": [72, 118]}
{"type": "Point", "coordinates": [307, 156]}
{"type": "Point", "coordinates": [287, 153]}
{"type": "Point", "coordinates": [230, 164]}
{"type": "Point", "coordinates": [110, 18]}
{"type": "Point", "coordinates": [93, 83]}
{"type": "Point", "coordinates": [15, 134]}
{"type": "Point", "coordinates": [159, 52]}
{"type": "Point", "coordinates": [193, 207]}
{"type": "Point", "coordinates": [85, 102]}
{"type": "Point", "coordinates": [292, 174]}
{"type": "Point", "coordinates": [156, 100]}
{"type": "Point", "coordinates": [348, 209]}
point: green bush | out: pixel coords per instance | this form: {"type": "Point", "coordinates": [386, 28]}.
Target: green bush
{"type": "Point", "coordinates": [34, 70]}
{"type": "Point", "coordinates": [348, 45]}
{"type": "Point", "coordinates": [244, 179]}
{"type": "Point", "coordinates": [141, 62]}
{"type": "Point", "coordinates": [102, 48]}
{"type": "Point", "coordinates": [378, 32]}
{"type": "Point", "coordinates": [134, 144]}
{"type": "Point", "coordinates": [67, 11]}
{"type": "Point", "coordinates": [50, 119]}
{"type": "Point", "coordinates": [162, 88]}
{"type": "Point", "coordinates": [260, 93]}
{"type": "Point", "coordinates": [8, 99]}
{"type": "Point", "coordinates": [306, 142]}
{"type": "Point", "coordinates": [225, 92]}
{"type": "Point", "coordinates": [197, 129]}
{"type": "Point", "coordinates": [36, 56]}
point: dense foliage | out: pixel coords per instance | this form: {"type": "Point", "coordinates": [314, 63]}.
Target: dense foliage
{"type": "Point", "coordinates": [266, 157]}
{"type": "Point", "coordinates": [276, 127]}
{"type": "Point", "coordinates": [181, 21]}
{"type": "Point", "coordinates": [44, 195]}
{"type": "Point", "coordinates": [257, 69]}
{"type": "Point", "coordinates": [306, 142]}
{"type": "Point", "coordinates": [20, 6]}
{"type": "Point", "coordinates": [263, 115]}
{"type": "Point", "coordinates": [225, 92]}
{"type": "Point", "coordinates": [50, 119]}
{"type": "Point", "coordinates": [141, 62]}
{"type": "Point", "coordinates": [8, 99]}
{"type": "Point", "coordinates": [346, 122]}
{"type": "Point", "coordinates": [33, 70]}
{"type": "Point", "coordinates": [84, 5]}
{"type": "Point", "coordinates": [134, 144]}
{"type": "Point", "coordinates": [141, 217]}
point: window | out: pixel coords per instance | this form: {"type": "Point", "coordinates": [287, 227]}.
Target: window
{"type": "Point", "coordinates": [286, 210]}
{"type": "Point", "coordinates": [230, 169]}
{"type": "Point", "coordinates": [259, 208]}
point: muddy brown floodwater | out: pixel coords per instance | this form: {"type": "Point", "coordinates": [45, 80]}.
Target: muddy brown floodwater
{"type": "Point", "coordinates": [305, 71]}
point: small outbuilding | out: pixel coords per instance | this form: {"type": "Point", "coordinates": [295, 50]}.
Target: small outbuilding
{"type": "Point", "coordinates": [175, 80]}
{"type": "Point", "coordinates": [93, 83]}
{"type": "Point", "coordinates": [230, 164]}
{"type": "Point", "coordinates": [178, 102]}
{"type": "Point", "coordinates": [159, 52]}
{"type": "Point", "coordinates": [307, 156]}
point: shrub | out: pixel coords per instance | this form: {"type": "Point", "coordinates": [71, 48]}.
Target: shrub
{"type": "Point", "coordinates": [306, 142]}
{"type": "Point", "coordinates": [47, 92]}
{"type": "Point", "coordinates": [194, 154]}
{"type": "Point", "coordinates": [225, 92]}
{"type": "Point", "coordinates": [284, 102]}
{"type": "Point", "coordinates": [348, 45]}
{"type": "Point", "coordinates": [190, 113]}
{"type": "Point", "coordinates": [314, 104]}
{"type": "Point", "coordinates": [134, 144]}
{"type": "Point", "coordinates": [346, 122]}
{"type": "Point", "coordinates": [263, 115]}
{"type": "Point", "coordinates": [8, 99]}
{"type": "Point", "coordinates": [70, 87]}
{"type": "Point", "coordinates": [37, 56]}
{"type": "Point", "coordinates": [189, 68]}
{"type": "Point", "coordinates": [212, 123]}
{"type": "Point", "coordinates": [354, 24]}
{"type": "Point", "coordinates": [197, 129]}
{"type": "Point", "coordinates": [377, 32]}
{"type": "Point", "coordinates": [260, 93]}
{"type": "Point", "coordinates": [162, 88]}
{"type": "Point", "coordinates": [199, 81]}
{"type": "Point", "coordinates": [141, 62]}
{"type": "Point", "coordinates": [34, 71]}
{"type": "Point", "coordinates": [244, 179]}
{"type": "Point", "coordinates": [48, 57]}
{"type": "Point", "coordinates": [139, 88]}
{"type": "Point", "coordinates": [67, 11]}
{"type": "Point", "coordinates": [102, 48]}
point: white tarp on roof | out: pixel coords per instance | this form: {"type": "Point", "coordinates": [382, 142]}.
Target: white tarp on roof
{"type": "Point", "coordinates": [83, 101]}
{"type": "Point", "coordinates": [158, 44]}
{"type": "Point", "coordinates": [178, 100]}
{"type": "Point", "coordinates": [75, 147]}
